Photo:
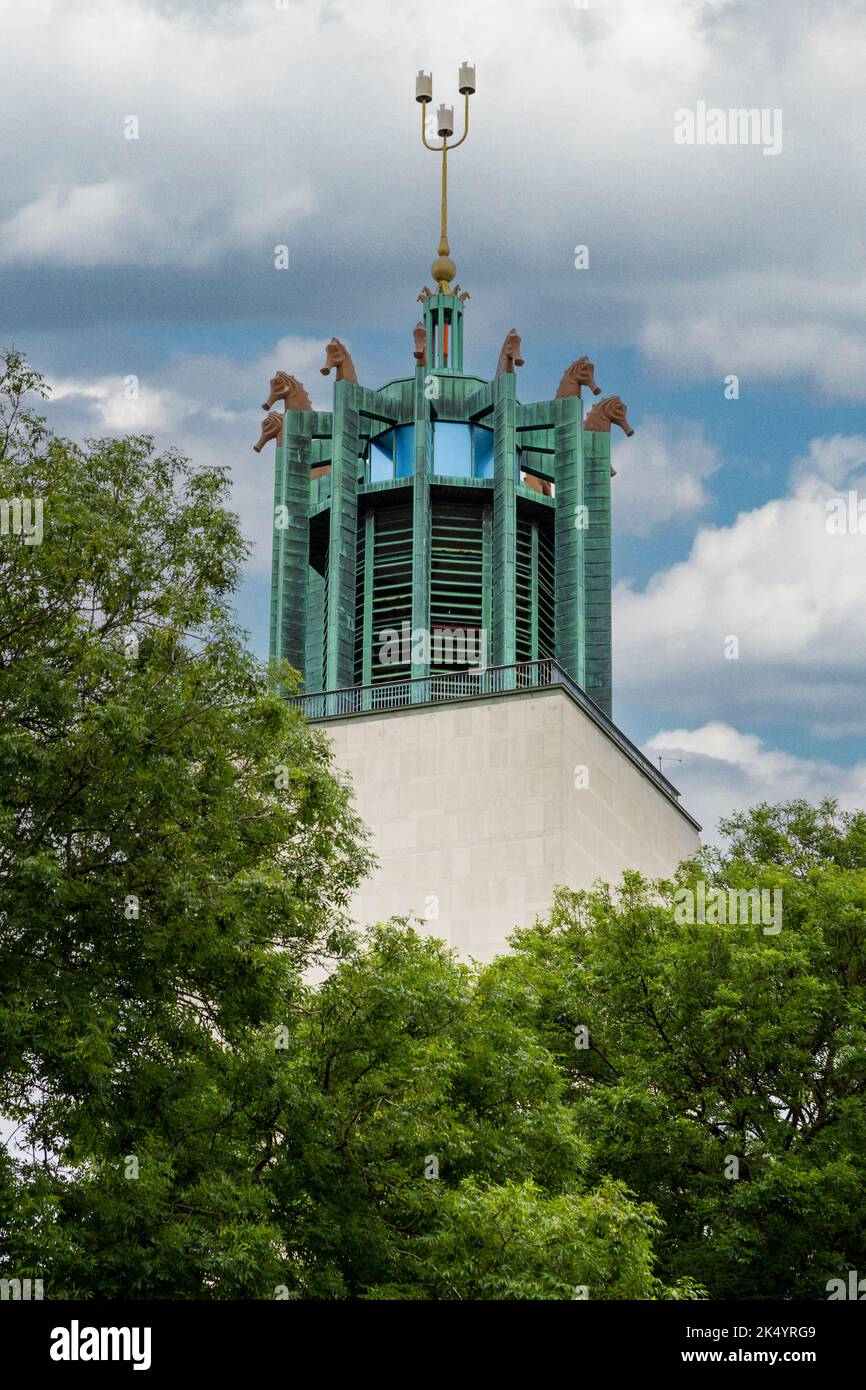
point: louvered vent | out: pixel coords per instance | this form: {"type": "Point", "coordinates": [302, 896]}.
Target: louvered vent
{"type": "Point", "coordinates": [325, 619]}
{"type": "Point", "coordinates": [361, 554]}
{"type": "Point", "coordinates": [535, 592]}
{"type": "Point", "coordinates": [313, 678]}
{"type": "Point", "coordinates": [546, 595]}
{"type": "Point", "coordinates": [456, 574]}
{"type": "Point", "coordinates": [392, 586]}
{"type": "Point", "coordinates": [524, 590]}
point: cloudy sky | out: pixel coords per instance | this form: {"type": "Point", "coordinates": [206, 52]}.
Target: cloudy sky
{"type": "Point", "coordinates": [263, 123]}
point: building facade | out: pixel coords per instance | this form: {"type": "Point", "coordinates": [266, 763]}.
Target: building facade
{"type": "Point", "coordinates": [442, 582]}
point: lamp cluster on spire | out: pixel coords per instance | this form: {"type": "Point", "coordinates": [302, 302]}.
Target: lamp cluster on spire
{"type": "Point", "coordinates": [443, 268]}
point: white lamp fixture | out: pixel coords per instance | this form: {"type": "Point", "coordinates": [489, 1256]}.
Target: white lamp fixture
{"type": "Point", "coordinates": [445, 120]}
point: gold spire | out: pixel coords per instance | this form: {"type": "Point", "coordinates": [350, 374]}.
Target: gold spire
{"type": "Point", "coordinates": [443, 268]}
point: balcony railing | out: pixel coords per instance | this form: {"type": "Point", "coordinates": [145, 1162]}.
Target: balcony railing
{"type": "Point", "coordinates": [468, 685]}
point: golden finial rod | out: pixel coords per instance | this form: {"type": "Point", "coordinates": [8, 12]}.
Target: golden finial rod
{"type": "Point", "coordinates": [443, 269]}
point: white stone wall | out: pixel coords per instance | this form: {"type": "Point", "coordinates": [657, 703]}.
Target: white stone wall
{"type": "Point", "coordinates": [476, 817]}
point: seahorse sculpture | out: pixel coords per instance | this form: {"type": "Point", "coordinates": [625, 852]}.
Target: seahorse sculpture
{"type": "Point", "coordinates": [337, 359]}
{"type": "Point", "coordinates": [290, 391]}
{"type": "Point", "coordinates": [272, 428]}
{"type": "Point", "coordinates": [509, 357]}
{"type": "Point", "coordinates": [540, 485]}
{"type": "Point", "coordinates": [607, 412]}
{"type": "Point", "coordinates": [580, 373]}
{"type": "Point", "coordinates": [419, 333]}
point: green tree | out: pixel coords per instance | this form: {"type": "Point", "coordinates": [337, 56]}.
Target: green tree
{"type": "Point", "coordinates": [714, 1051]}
{"type": "Point", "coordinates": [426, 1148]}
{"type": "Point", "coordinates": [201, 1115]}
{"type": "Point", "coordinates": [201, 1119]}
{"type": "Point", "coordinates": [175, 850]}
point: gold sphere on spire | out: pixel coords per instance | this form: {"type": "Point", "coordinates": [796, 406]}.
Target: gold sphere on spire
{"type": "Point", "coordinates": [443, 271]}
{"type": "Point", "coordinates": [443, 268]}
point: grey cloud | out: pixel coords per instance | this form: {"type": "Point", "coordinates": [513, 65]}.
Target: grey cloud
{"type": "Point", "coordinates": [260, 126]}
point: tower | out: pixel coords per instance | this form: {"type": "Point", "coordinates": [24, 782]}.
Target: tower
{"type": "Point", "coordinates": [442, 582]}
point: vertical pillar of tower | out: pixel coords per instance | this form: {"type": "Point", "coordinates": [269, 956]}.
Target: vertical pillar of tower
{"type": "Point", "coordinates": [313, 677]}
{"type": "Point", "coordinates": [421, 523]}
{"type": "Point", "coordinates": [598, 675]}
{"type": "Point", "coordinates": [291, 546]}
{"type": "Point", "coordinates": [533, 595]}
{"type": "Point", "coordinates": [369, 561]}
{"type": "Point", "coordinates": [342, 544]}
{"type": "Point", "coordinates": [504, 520]}
{"type": "Point", "coordinates": [487, 582]}
{"type": "Point", "coordinates": [431, 325]}
{"type": "Point", "coordinates": [457, 329]}
{"type": "Point", "coordinates": [573, 521]}
{"type": "Point", "coordinates": [367, 612]}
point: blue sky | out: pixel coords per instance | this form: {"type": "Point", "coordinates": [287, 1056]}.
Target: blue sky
{"type": "Point", "coordinates": [263, 123]}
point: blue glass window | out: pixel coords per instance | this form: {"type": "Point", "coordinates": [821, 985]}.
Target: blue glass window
{"type": "Point", "coordinates": [483, 465]}
{"type": "Point", "coordinates": [452, 449]}
{"type": "Point", "coordinates": [382, 458]}
{"type": "Point", "coordinates": [405, 450]}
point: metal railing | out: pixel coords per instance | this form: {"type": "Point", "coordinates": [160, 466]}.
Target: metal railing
{"type": "Point", "coordinates": [468, 685]}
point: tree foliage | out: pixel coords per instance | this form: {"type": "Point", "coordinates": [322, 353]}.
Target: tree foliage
{"type": "Point", "coordinates": [211, 1086]}
{"type": "Point", "coordinates": [709, 1044]}
{"type": "Point", "coordinates": [175, 847]}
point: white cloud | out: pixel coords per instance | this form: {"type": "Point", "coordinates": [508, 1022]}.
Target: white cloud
{"type": "Point", "coordinates": [724, 770]}
{"type": "Point", "coordinates": [662, 479]}
{"type": "Point", "coordinates": [829, 356]}
{"type": "Point", "coordinates": [203, 404]}
{"type": "Point", "coordinates": [115, 223]}
{"type": "Point", "coordinates": [114, 408]}
{"type": "Point", "coordinates": [83, 225]}
{"type": "Point", "coordinates": [788, 590]}
{"type": "Point", "coordinates": [261, 126]}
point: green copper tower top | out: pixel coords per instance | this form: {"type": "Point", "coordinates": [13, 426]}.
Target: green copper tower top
{"type": "Point", "coordinates": [436, 537]}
